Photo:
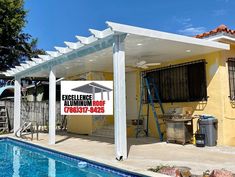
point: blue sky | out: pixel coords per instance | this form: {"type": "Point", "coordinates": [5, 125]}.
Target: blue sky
{"type": "Point", "coordinates": [56, 21]}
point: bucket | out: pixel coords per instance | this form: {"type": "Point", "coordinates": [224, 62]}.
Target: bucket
{"type": "Point", "coordinates": [200, 140]}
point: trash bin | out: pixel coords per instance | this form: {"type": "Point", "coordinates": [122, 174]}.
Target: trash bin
{"type": "Point", "coordinates": [208, 125]}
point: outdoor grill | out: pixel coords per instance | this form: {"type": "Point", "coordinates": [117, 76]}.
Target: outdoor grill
{"type": "Point", "coordinates": [179, 125]}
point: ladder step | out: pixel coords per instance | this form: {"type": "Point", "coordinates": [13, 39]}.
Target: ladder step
{"type": "Point", "coordinates": [156, 100]}
{"type": "Point", "coordinates": [140, 129]}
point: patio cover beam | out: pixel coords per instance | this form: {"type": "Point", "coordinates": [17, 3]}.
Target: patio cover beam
{"type": "Point", "coordinates": [49, 62]}
{"type": "Point", "coordinates": [164, 35]}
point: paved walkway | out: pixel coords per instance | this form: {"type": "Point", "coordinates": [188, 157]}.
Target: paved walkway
{"type": "Point", "coordinates": [144, 153]}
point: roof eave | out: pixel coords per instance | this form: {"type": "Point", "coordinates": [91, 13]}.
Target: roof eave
{"type": "Point", "coordinates": [116, 27]}
{"type": "Point", "coordinates": [220, 37]}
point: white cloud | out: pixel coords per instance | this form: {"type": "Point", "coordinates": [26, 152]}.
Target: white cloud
{"type": "Point", "coordinates": [183, 21]}
{"type": "Point", "coordinates": [187, 27]}
{"type": "Point", "coordinates": [223, 1]}
{"type": "Point", "coordinates": [219, 12]}
{"type": "Point", "coordinates": [191, 31]}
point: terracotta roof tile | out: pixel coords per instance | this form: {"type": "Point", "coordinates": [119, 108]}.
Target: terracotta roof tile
{"type": "Point", "coordinates": [221, 28]}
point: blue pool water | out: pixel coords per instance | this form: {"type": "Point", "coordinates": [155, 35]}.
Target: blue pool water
{"type": "Point", "coordinates": [19, 159]}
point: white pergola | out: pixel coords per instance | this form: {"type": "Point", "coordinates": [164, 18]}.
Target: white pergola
{"type": "Point", "coordinates": [109, 50]}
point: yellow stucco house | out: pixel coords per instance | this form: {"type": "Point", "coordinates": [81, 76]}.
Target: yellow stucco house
{"type": "Point", "coordinates": [204, 82]}
{"type": "Point", "coordinates": [210, 82]}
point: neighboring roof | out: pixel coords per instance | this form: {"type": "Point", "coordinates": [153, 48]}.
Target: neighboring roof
{"type": "Point", "coordinates": [8, 89]}
{"type": "Point", "coordinates": [220, 29]}
{"type": "Point", "coordinates": [88, 88]}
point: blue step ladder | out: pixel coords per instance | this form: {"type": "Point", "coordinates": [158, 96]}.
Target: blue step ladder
{"type": "Point", "coordinates": [151, 88]}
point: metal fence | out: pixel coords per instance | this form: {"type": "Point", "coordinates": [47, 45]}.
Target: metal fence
{"type": "Point", "coordinates": [33, 111]}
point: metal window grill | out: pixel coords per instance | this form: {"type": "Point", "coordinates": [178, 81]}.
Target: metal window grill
{"type": "Point", "coordinates": [231, 73]}
{"type": "Point", "coordinates": [180, 83]}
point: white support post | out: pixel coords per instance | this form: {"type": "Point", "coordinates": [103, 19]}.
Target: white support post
{"type": "Point", "coordinates": [17, 104]}
{"type": "Point", "coordinates": [52, 107]}
{"type": "Point", "coordinates": [119, 98]}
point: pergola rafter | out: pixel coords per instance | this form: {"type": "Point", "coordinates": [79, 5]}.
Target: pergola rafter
{"type": "Point", "coordinates": [53, 54]}
{"type": "Point", "coordinates": [74, 45]}
{"type": "Point", "coordinates": [63, 50]}
{"type": "Point", "coordinates": [86, 40]}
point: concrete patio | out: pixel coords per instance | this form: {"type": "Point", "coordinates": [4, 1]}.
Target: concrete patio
{"type": "Point", "coordinates": [143, 153]}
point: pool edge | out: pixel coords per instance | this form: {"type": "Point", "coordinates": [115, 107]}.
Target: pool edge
{"type": "Point", "coordinates": [75, 157]}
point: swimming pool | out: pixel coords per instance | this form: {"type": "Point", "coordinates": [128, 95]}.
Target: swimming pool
{"type": "Point", "coordinates": [21, 159]}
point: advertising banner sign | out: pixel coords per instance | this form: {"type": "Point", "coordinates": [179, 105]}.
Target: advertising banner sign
{"type": "Point", "coordinates": [87, 97]}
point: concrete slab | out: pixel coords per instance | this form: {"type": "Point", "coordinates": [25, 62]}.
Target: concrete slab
{"type": "Point", "coordinates": [144, 153]}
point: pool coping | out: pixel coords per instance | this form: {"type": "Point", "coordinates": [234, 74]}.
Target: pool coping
{"type": "Point", "coordinates": [67, 156]}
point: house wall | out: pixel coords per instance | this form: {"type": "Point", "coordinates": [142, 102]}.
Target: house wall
{"type": "Point", "coordinates": [108, 119]}
{"type": "Point", "coordinates": [229, 107]}
{"type": "Point", "coordinates": [215, 91]}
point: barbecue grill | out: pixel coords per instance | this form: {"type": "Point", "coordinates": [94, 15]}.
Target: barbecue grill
{"type": "Point", "coordinates": [179, 125]}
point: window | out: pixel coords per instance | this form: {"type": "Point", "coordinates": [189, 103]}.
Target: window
{"type": "Point", "coordinates": [231, 73]}
{"type": "Point", "coordinates": [180, 83]}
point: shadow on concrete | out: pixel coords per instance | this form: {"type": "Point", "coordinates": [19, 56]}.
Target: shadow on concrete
{"type": "Point", "coordinates": [130, 141]}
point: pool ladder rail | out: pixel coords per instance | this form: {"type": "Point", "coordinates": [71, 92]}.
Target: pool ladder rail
{"type": "Point", "coordinates": [27, 128]}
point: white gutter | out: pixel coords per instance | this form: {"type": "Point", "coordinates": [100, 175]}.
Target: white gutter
{"type": "Point", "coordinates": [221, 37]}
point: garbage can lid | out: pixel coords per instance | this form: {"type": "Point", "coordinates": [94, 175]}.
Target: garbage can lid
{"type": "Point", "coordinates": [206, 116]}
{"type": "Point", "coordinates": [208, 120]}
